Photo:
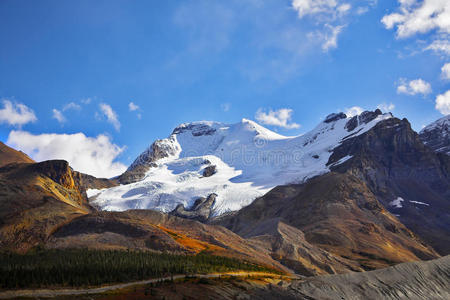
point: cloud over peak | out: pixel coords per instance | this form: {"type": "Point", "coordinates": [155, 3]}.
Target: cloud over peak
{"type": "Point", "coordinates": [443, 103]}
{"type": "Point", "coordinates": [353, 111]}
{"type": "Point", "coordinates": [92, 155]}
{"type": "Point", "coordinates": [281, 118]}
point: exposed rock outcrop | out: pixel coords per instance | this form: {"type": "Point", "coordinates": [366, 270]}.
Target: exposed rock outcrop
{"type": "Point", "coordinates": [414, 280]}
{"type": "Point", "coordinates": [35, 199]}
{"type": "Point", "coordinates": [209, 171]}
{"type": "Point", "coordinates": [364, 118]}
{"type": "Point", "coordinates": [91, 182]}
{"type": "Point", "coordinates": [393, 162]}
{"type": "Point", "coordinates": [339, 214]}
{"type": "Point", "coordinates": [334, 117]}
{"type": "Point", "coordinates": [159, 149]}
{"type": "Point", "coordinates": [200, 211]}
{"type": "Point", "coordinates": [9, 155]}
{"type": "Point", "coordinates": [437, 135]}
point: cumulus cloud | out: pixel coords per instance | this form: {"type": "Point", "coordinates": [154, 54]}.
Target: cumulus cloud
{"type": "Point", "coordinates": [58, 115]}
{"type": "Point", "coordinates": [132, 106]}
{"type": "Point", "coordinates": [420, 17]}
{"type": "Point", "coordinates": [353, 111]}
{"type": "Point", "coordinates": [86, 100]}
{"type": "Point", "coordinates": [362, 10]}
{"type": "Point", "coordinates": [445, 71]}
{"type": "Point", "coordinates": [331, 8]}
{"type": "Point", "coordinates": [440, 46]}
{"type": "Point", "coordinates": [416, 16]}
{"type": "Point", "coordinates": [71, 105]}
{"type": "Point", "coordinates": [92, 155]}
{"type": "Point", "coordinates": [443, 103]}
{"type": "Point", "coordinates": [386, 107]}
{"type": "Point", "coordinates": [330, 37]}
{"type": "Point", "coordinates": [328, 14]}
{"type": "Point", "coordinates": [413, 87]}
{"type": "Point", "coordinates": [280, 118]}
{"type": "Point", "coordinates": [16, 114]}
{"type": "Point", "coordinates": [110, 114]}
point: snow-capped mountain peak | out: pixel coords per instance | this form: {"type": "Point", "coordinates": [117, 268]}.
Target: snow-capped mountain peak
{"type": "Point", "coordinates": [437, 135]}
{"type": "Point", "coordinates": [244, 160]}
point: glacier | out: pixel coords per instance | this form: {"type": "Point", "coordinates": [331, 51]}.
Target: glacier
{"type": "Point", "coordinates": [249, 159]}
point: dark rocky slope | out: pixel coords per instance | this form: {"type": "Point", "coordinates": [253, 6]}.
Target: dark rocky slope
{"type": "Point", "coordinates": [35, 199]}
{"type": "Point", "coordinates": [437, 135]}
{"type": "Point", "coordinates": [9, 155]}
{"type": "Point", "coordinates": [350, 211]}
{"type": "Point", "coordinates": [393, 162]}
{"type": "Point", "coordinates": [415, 280]}
{"type": "Point", "coordinates": [337, 213]}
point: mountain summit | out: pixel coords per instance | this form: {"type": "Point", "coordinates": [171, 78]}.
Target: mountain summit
{"type": "Point", "coordinates": [237, 162]}
{"type": "Point", "coordinates": [437, 135]}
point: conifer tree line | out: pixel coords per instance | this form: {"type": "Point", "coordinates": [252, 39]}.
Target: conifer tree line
{"type": "Point", "coordinates": [83, 267]}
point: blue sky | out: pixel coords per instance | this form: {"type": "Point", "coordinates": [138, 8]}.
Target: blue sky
{"type": "Point", "coordinates": [69, 67]}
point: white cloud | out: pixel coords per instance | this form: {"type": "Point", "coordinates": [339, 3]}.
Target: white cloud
{"type": "Point", "coordinates": [225, 106]}
{"type": "Point", "coordinates": [71, 105]}
{"type": "Point", "coordinates": [445, 71]}
{"type": "Point", "coordinates": [362, 10]}
{"type": "Point", "coordinates": [413, 87]}
{"type": "Point", "coordinates": [280, 118]}
{"type": "Point", "coordinates": [386, 107]}
{"type": "Point", "coordinates": [319, 7]}
{"type": "Point", "coordinates": [330, 38]}
{"type": "Point", "coordinates": [92, 155]}
{"type": "Point", "coordinates": [328, 14]}
{"type": "Point", "coordinates": [415, 17]}
{"type": "Point", "coordinates": [440, 46]}
{"type": "Point", "coordinates": [132, 106]}
{"type": "Point", "coordinates": [58, 115]}
{"type": "Point", "coordinates": [16, 114]}
{"type": "Point", "coordinates": [110, 115]}
{"type": "Point", "coordinates": [443, 103]}
{"type": "Point", "coordinates": [344, 8]}
{"type": "Point", "coordinates": [86, 100]}
{"type": "Point", "coordinates": [353, 111]}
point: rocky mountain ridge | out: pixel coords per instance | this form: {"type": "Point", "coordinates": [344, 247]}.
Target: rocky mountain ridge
{"type": "Point", "coordinates": [237, 162]}
{"type": "Point", "coordinates": [437, 135]}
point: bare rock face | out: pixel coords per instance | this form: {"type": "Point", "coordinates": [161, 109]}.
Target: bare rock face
{"type": "Point", "coordinates": [364, 118]}
{"type": "Point", "coordinates": [146, 160]}
{"type": "Point", "coordinates": [334, 117]}
{"type": "Point", "coordinates": [209, 171]}
{"type": "Point", "coordinates": [9, 155]}
{"type": "Point", "coordinates": [37, 198]}
{"type": "Point", "coordinates": [200, 211]}
{"type": "Point", "coordinates": [437, 135]}
{"type": "Point", "coordinates": [91, 182]}
{"type": "Point", "coordinates": [414, 280]}
{"type": "Point", "coordinates": [394, 163]}
{"type": "Point", "coordinates": [339, 214]}
{"type": "Point", "coordinates": [195, 129]}
{"type": "Point", "coordinates": [351, 211]}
